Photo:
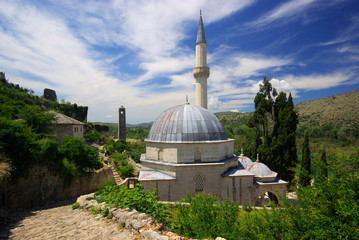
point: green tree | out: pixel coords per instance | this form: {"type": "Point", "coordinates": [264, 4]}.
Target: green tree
{"type": "Point", "coordinates": [82, 156]}
{"type": "Point", "coordinates": [16, 144]}
{"type": "Point", "coordinates": [276, 145]}
{"type": "Point", "coordinates": [323, 166]}
{"type": "Point", "coordinates": [37, 119]}
{"type": "Point", "coordinates": [305, 169]}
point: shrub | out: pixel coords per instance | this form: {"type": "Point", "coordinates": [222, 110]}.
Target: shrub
{"type": "Point", "coordinates": [84, 157]}
{"type": "Point", "coordinates": [142, 201]}
{"type": "Point", "coordinates": [75, 205]}
{"type": "Point", "coordinates": [126, 171]}
{"type": "Point", "coordinates": [203, 216]}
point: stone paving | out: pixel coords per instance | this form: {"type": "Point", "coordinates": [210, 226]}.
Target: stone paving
{"type": "Point", "coordinates": [64, 223]}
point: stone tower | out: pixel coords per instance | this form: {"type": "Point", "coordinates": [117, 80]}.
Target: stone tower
{"type": "Point", "coordinates": [122, 123]}
{"type": "Point", "coordinates": [201, 71]}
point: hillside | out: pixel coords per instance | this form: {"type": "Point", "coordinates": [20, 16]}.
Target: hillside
{"type": "Point", "coordinates": [340, 110]}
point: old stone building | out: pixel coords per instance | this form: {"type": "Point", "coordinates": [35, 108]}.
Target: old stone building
{"type": "Point", "coordinates": [67, 126]}
{"type": "Point", "coordinates": [188, 151]}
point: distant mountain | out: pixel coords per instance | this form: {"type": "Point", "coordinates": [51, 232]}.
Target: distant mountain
{"type": "Point", "coordinates": [140, 125]}
{"type": "Point", "coordinates": [339, 110]}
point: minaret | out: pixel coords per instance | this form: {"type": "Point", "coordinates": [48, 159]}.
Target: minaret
{"type": "Point", "coordinates": [201, 71]}
{"type": "Point", "coordinates": [122, 123]}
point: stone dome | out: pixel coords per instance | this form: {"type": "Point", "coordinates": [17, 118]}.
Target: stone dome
{"type": "Point", "coordinates": [187, 123]}
{"type": "Point", "coordinates": [243, 161]}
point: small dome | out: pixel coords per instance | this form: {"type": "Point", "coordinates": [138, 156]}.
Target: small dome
{"type": "Point", "coordinates": [259, 169]}
{"type": "Point", "coordinates": [243, 161]}
{"type": "Point", "coordinates": [186, 123]}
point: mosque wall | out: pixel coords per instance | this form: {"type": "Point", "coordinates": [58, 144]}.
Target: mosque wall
{"type": "Point", "coordinates": [189, 152]}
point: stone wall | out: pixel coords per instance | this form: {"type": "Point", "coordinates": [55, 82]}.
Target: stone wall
{"type": "Point", "coordinates": [185, 152]}
{"type": "Point", "coordinates": [41, 185]}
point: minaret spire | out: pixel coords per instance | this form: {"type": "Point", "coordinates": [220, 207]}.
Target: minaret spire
{"type": "Point", "coordinates": [201, 71]}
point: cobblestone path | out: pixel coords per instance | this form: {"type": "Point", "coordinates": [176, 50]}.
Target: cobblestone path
{"type": "Point", "coordinates": [64, 223]}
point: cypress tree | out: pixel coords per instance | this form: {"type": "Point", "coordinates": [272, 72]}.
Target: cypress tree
{"type": "Point", "coordinates": [323, 166]}
{"type": "Point", "coordinates": [277, 145]}
{"type": "Point", "coordinates": [305, 170]}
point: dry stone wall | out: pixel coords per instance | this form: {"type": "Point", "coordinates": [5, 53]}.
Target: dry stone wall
{"type": "Point", "coordinates": [41, 185]}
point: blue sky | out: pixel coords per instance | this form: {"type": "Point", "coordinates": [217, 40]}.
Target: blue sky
{"type": "Point", "coordinates": [140, 54]}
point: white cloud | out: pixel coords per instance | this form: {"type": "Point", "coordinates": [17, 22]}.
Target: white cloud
{"type": "Point", "coordinates": [288, 11]}
{"type": "Point", "coordinates": [213, 103]}
{"type": "Point", "coordinates": [59, 45]}
{"type": "Point", "coordinates": [347, 34]}
{"type": "Point", "coordinates": [317, 81]}
{"type": "Point", "coordinates": [54, 45]}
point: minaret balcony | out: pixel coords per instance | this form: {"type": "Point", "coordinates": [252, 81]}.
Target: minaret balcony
{"type": "Point", "coordinates": [199, 72]}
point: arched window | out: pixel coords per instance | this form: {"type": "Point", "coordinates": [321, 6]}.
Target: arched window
{"type": "Point", "coordinates": [199, 182]}
{"type": "Point", "coordinates": [197, 156]}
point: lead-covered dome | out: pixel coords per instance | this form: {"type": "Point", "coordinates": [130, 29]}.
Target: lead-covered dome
{"type": "Point", "coordinates": [186, 123]}
{"type": "Point", "coordinates": [259, 169]}
{"type": "Point", "coordinates": [244, 162]}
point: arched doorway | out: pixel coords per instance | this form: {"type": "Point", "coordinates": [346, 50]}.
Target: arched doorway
{"type": "Point", "coordinates": [266, 198]}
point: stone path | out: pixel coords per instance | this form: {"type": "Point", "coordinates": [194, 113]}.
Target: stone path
{"type": "Point", "coordinates": [64, 223]}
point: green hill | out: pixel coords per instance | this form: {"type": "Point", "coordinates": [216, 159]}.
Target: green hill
{"type": "Point", "coordinates": [338, 110]}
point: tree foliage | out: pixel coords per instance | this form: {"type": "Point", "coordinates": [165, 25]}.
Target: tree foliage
{"type": "Point", "coordinates": [84, 157]}
{"type": "Point", "coordinates": [305, 164]}
{"type": "Point", "coordinates": [26, 136]}
{"type": "Point", "coordinates": [274, 122]}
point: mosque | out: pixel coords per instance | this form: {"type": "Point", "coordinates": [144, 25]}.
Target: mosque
{"type": "Point", "coordinates": [188, 151]}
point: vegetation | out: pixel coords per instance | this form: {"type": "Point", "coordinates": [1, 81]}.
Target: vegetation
{"type": "Point", "coordinates": [142, 201]}
{"type": "Point", "coordinates": [26, 137]}
{"type": "Point", "coordinates": [305, 164]}
{"type": "Point", "coordinates": [328, 209]}
{"type": "Point", "coordinates": [339, 110]}
{"type": "Point", "coordinates": [79, 156]}
{"type": "Point", "coordinates": [277, 144]}
{"type": "Point", "coordinates": [323, 166]}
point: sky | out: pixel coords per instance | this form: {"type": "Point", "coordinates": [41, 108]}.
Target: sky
{"type": "Point", "coordinates": [141, 54]}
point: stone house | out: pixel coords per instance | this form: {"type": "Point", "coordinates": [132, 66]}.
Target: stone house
{"type": "Point", "coordinates": [67, 126]}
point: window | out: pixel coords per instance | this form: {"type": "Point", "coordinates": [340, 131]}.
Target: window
{"type": "Point", "coordinates": [160, 154]}
{"type": "Point", "coordinates": [199, 182]}
{"type": "Point", "coordinates": [197, 156]}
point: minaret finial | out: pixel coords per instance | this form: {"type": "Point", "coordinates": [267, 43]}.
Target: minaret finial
{"type": "Point", "coordinates": [257, 157]}
{"type": "Point", "coordinates": [200, 12]}
{"type": "Point", "coordinates": [241, 151]}
{"type": "Point", "coordinates": [186, 100]}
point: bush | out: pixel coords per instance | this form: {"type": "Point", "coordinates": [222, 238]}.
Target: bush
{"type": "Point", "coordinates": [77, 153]}
{"type": "Point", "coordinates": [142, 201]}
{"type": "Point", "coordinates": [75, 205]}
{"type": "Point", "coordinates": [16, 143]}
{"type": "Point", "coordinates": [203, 216]}
{"type": "Point", "coordinates": [126, 171]}
{"type": "Point", "coordinates": [37, 119]}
